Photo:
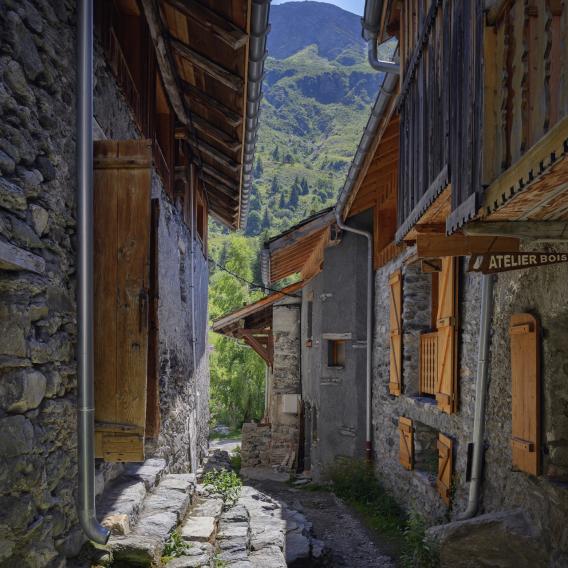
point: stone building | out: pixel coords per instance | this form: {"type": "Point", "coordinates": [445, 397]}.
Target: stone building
{"type": "Point", "coordinates": [271, 326]}
{"type": "Point", "coordinates": [171, 148]}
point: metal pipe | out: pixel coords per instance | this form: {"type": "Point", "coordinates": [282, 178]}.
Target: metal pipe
{"type": "Point", "coordinates": [371, 23]}
{"type": "Point", "coordinates": [480, 396]}
{"type": "Point", "coordinates": [259, 28]}
{"type": "Point", "coordinates": [369, 331]}
{"type": "Point", "coordinates": [193, 217]}
{"type": "Point", "coordinates": [86, 509]}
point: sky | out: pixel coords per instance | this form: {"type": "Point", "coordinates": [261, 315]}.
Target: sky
{"type": "Point", "coordinates": [355, 6]}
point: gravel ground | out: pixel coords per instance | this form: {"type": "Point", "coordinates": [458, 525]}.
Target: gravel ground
{"type": "Point", "coordinates": [349, 542]}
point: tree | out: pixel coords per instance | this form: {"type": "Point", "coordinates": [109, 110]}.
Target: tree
{"type": "Point", "coordinates": [294, 198]}
{"type": "Point", "coordinates": [259, 169]}
{"type": "Point", "coordinates": [237, 372]}
{"type": "Point", "coordinates": [305, 187]}
{"type": "Point", "coordinates": [282, 203]}
{"type": "Point", "coordinates": [274, 186]}
{"type": "Point", "coordinates": [265, 220]}
{"type": "Point", "coordinates": [253, 224]}
{"type": "Point", "coordinates": [276, 154]}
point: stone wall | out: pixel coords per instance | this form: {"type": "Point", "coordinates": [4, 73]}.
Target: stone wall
{"type": "Point", "coordinates": [255, 445]}
{"type": "Point", "coordinates": [285, 380]}
{"type": "Point", "coordinates": [543, 499]}
{"type": "Point", "coordinates": [334, 397]}
{"type": "Point", "coordinates": [38, 470]}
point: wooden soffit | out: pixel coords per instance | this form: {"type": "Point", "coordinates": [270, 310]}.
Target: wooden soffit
{"type": "Point", "coordinates": [301, 248]}
{"type": "Point", "coordinates": [206, 45]}
{"type": "Point", "coordinates": [535, 188]}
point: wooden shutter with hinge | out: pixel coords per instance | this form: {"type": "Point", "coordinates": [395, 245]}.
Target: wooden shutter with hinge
{"type": "Point", "coordinates": [395, 291]}
{"type": "Point", "coordinates": [525, 387]}
{"type": "Point", "coordinates": [122, 184]}
{"type": "Point", "coordinates": [446, 387]}
{"type": "Point", "coordinates": [406, 430]}
{"type": "Point", "coordinates": [444, 481]}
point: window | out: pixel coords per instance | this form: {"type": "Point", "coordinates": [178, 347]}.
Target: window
{"type": "Point", "coordinates": [336, 353]}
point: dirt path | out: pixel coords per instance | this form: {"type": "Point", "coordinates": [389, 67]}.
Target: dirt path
{"type": "Point", "coordinates": [350, 543]}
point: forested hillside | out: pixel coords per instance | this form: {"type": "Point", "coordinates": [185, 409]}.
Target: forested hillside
{"type": "Point", "coordinates": [318, 91]}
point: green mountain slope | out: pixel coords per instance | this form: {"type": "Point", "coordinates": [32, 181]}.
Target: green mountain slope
{"type": "Point", "coordinates": [318, 91]}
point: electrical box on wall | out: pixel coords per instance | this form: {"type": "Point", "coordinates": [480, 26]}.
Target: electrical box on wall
{"type": "Point", "coordinates": [290, 403]}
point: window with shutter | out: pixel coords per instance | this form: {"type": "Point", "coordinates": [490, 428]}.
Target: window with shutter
{"type": "Point", "coordinates": [525, 387]}
{"type": "Point", "coordinates": [406, 430]}
{"type": "Point", "coordinates": [395, 285]}
{"type": "Point", "coordinates": [122, 189]}
{"type": "Point", "coordinates": [444, 481]}
{"type": "Point", "coordinates": [446, 387]}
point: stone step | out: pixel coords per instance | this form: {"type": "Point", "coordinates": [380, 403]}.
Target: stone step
{"type": "Point", "coordinates": [162, 511]}
{"type": "Point", "coordinates": [121, 503]}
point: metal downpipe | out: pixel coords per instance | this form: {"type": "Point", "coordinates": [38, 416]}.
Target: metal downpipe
{"type": "Point", "coordinates": [86, 509]}
{"type": "Point", "coordinates": [369, 338]}
{"type": "Point", "coordinates": [371, 23]}
{"type": "Point", "coordinates": [480, 396]}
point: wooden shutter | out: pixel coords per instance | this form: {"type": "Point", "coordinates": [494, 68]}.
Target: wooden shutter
{"type": "Point", "coordinates": [525, 385]}
{"type": "Point", "coordinates": [446, 387]}
{"type": "Point", "coordinates": [406, 430]}
{"type": "Point", "coordinates": [395, 286]}
{"type": "Point", "coordinates": [122, 183]}
{"type": "Point", "coordinates": [444, 481]}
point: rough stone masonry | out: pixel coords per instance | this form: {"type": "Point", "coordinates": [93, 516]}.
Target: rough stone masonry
{"type": "Point", "coordinates": [38, 470]}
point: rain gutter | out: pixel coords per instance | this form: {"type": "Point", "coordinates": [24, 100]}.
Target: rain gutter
{"type": "Point", "coordinates": [86, 509]}
{"type": "Point", "coordinates": [259, 28]}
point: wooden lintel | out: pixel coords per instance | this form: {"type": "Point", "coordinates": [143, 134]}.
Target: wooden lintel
{"type": "Point", "coordinates": [539, 230]}
{"type": "Point", "coordinates": [232, 117]}
{"type": "Point", "coordinates": [216, 25]}
{"type": "Point", "coordinates": [224, 76]}
{"type": "Point", "coordinates": [428, 246]}
{"type": "Point", "coordinates": [215, 154]}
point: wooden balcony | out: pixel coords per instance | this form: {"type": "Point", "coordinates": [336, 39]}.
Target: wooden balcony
{"type": "Point", "coordinates": [428, 363]}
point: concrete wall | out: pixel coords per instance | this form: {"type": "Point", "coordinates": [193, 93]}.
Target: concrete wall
{"type": "Point", "coordinates": [539, 291]}
{"type": "Point", "coordinates": [335, 397]}
{"type": "Point", "coordinates": [38, 472]}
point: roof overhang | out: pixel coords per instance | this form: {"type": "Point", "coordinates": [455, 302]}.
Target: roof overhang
{"type": "Point", "coordinates": [211, 55]}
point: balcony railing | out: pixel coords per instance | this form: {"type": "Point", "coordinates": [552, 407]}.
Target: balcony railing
{"type": "Point", "coordinates": [428, 362]}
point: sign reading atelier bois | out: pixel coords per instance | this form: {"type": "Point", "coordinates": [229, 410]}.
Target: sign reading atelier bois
{"type": "Point", "coordinates": [503, 262]}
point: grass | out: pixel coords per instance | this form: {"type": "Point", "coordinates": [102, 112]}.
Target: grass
{"type": "Point", "coordinates": [355, 483]}
{"type": "Point", "coordinates": [174, 548]}
{"type": "Point", "coordinates": [236, 459]}
{"type": "Point", "coordinates": [225, 483]}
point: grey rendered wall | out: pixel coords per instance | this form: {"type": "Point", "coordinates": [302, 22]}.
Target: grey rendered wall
{"type": "Point", "coordinates": [38, 472]}
{"type": "Point", "coordinates": [337, 395]}
{"type": "Point", "coordinates": [540, 291]}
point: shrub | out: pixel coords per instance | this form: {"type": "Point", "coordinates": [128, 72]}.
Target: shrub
{"type": "Point", "coordinates": [225, 483]}
{"type": "Point", "coordinates": [417, 550]}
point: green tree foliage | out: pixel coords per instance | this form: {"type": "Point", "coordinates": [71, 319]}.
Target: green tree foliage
{"type": "Point", "coordinates": [237, 372]}
{"type": "Point", "coordinates": [294, 197]}
{"type": "Point", "coordinates": [258, 169]}
{"type": "Point", "coordinates": [282, 202]}
{"type": "Point", "coordinates": [276, 154]}
{"type": "Point", "coordinates": [253, 224]}
{"type": "Point", "coordinates": [274, 186]}
{"type": "Point", "coordinates": [266, 220]}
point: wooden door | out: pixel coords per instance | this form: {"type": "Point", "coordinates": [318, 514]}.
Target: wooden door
{"type": "Point", "coordinates": [122, 184]}
{"type": "Point", "coordinates": [446, 387]}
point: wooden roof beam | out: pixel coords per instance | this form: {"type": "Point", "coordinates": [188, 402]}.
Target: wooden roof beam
{"type": "Point", "coordinates": [216, 155]}
{"type": "Point", "coordinates": [216, 25]}
{"type": "Point", "coordinates": [230, 143]}
{"type": "Point", "coordinates": [232, 117]}
{"type": "Point", "coordinates": [307, 230]}
{"type": "Point", "coordinates": [538, 230]}
{"type": "Point", "coordinates": [224, 76]}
